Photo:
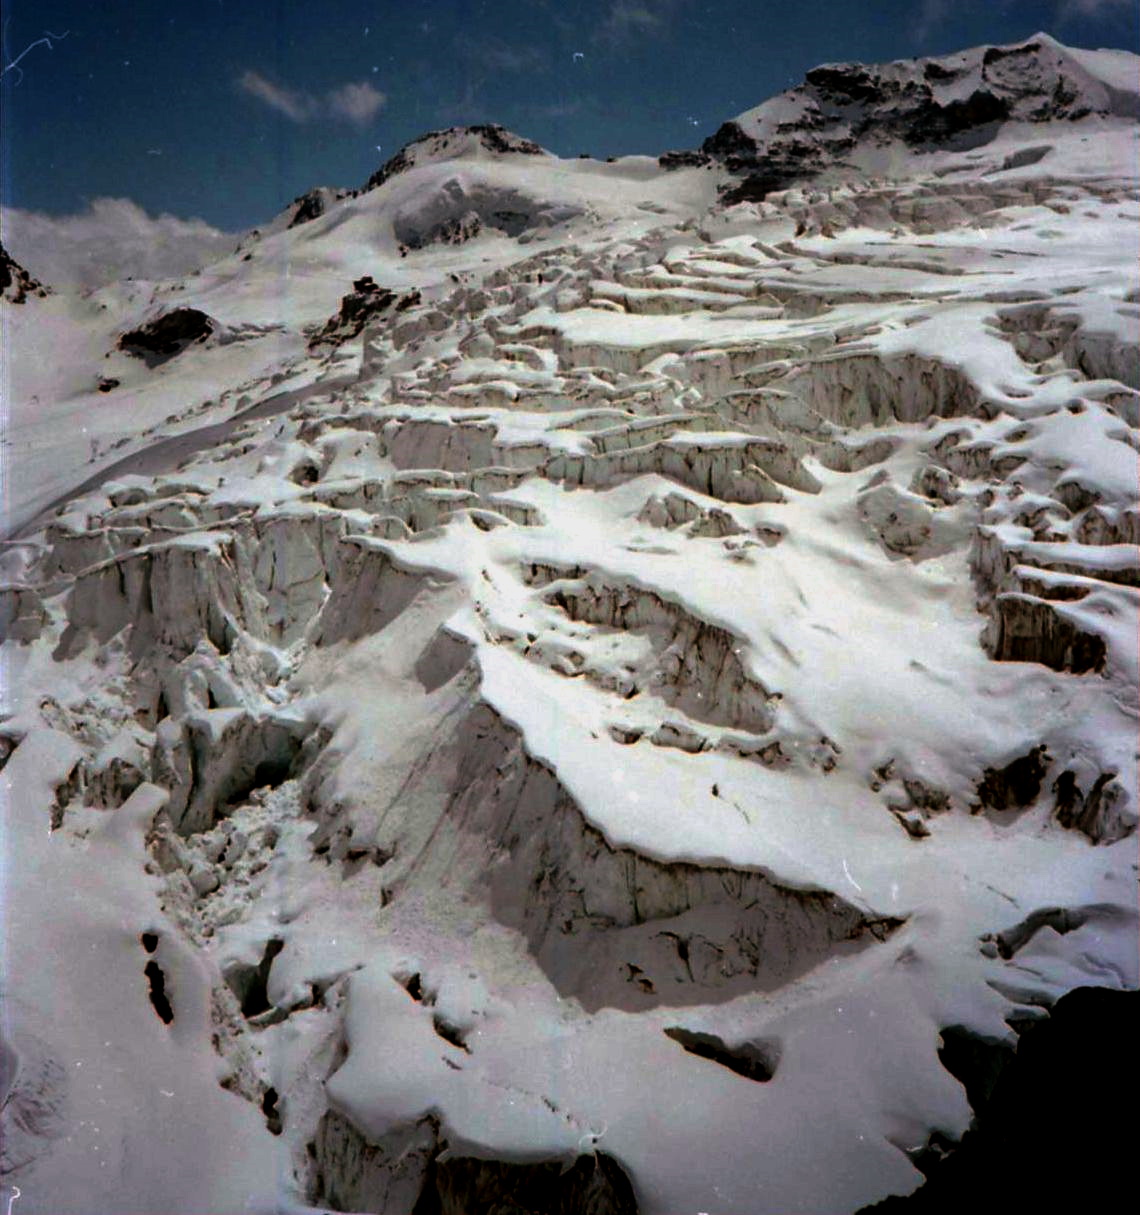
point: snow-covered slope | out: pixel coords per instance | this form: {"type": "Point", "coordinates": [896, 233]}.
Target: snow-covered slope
{"type": "Point", "coordinates": [282, 284]}
{"type": "Point", "coordinates": [594, 686]}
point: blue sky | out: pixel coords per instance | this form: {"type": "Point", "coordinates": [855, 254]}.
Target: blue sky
{"type": "Point", "coordinates": [227, 109]}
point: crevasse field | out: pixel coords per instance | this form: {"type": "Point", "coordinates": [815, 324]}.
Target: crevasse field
{"type": "Point", "coordinates": [566, 678]}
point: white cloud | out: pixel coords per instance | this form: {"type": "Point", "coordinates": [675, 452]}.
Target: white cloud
{"type": "Point", "coordinates": [628, 17]}
{"type": "Point", "coordinates": [113, 238]}
{"type": "Point", "coordinates": [355, 102]}
{"type": "Point", "coordinates": [295, 105]}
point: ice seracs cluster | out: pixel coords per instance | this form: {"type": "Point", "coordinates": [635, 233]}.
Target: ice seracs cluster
{"type": "Point", "coordinates": [591, 680]}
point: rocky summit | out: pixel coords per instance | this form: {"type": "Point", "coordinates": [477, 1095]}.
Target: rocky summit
{"type": "Point", "coordinates": [586, 686]}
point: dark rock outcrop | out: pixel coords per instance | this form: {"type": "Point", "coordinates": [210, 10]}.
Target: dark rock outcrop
{"type": "Point", "coordinates": [496, 138]}
{"type": "Point", "coordinates": [931, 124]}
{"type": "Point", "coordinates": [775, 176]}
{"type": "Point", "coordinates": [456, 231]}
{"type": "Point", "coordinates": [365, 301]}
{"type": "Point", "coordinates": [730, 144]}
{"type": "Point", "coordinates": [1017, 784]}
{"type": "Point", "coordinates": [1103, 814]}
{"type": "Point", "coordinates": [491, 136]}
{"type": "Point", "coordinates": [16, 284]}
{"type": "Point", "coordinates": [307, 207]}
{"type": "Point", "coordinates": [684, 160]}
{"type": "Point", "coordinates": [167, 335]}
{"type": "Point", "coordinates": [393, 165]}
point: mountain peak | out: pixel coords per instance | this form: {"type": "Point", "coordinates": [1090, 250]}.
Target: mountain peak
{"type": "Point", "coordinates": [453, 143]}
{"type": "Point", "coordinates": [844, 114]}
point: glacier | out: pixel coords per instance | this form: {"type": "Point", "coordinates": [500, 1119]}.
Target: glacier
{"type": "Point", "coordinates": [577, 683]}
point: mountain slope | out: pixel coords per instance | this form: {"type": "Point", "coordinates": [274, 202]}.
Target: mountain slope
{"type": "Point", "coordinates": [853, 117]}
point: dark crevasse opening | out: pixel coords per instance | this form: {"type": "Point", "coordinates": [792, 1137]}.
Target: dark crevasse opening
{"type": "Point", "coordinates": [752, 1060]}
{"type": "Point", "coordinates": [255, 998]}
{"type": "Point", "coordinates": [463, 1185]}
{"type": "Point", "coordinates": [272, 1111]}
{"type": "Point", "coordinates": [1049, 1132]}
{"type": "Point", "coordinates": [158, 997]}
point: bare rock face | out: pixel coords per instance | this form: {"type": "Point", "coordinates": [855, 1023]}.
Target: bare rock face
{"type": "Point", "coordinates": [592, 1185]}
{"type": "Point", "coordinates": [685, 160]}
{"type": "Point", "coordinates": [307, 207]}
{"type": "Point", "coordinates": [393, 165]}
{"type": "Point", "coordinates": [365, 302]}
{"type": "Point", "coordinates": [167, 335]}
{"type": "Point", "coordinates": [753, 1060]}
{"type": "Point", "coordinates": [16, 284]}
{"type": "Point", "coordinates": [460, 210]}
{"type": "Point", "coordinates": [1103, 814]}
{"type": "Point", "coordinates": [794, 165]}
{"type": "Point", "coordinates": [957, 102]}
{"type": "Point", "coordinates": [1015, 785]}
{"type": "Point", "coordinates": [1027, 629]}
{"type": "Point", "coordinates": [498, 139]}
{"type": "Point", "coordinates": [410, 1172]}
{"type": "Point", "coordinates": [457, 231]}
{"type": "Point", "coordinates": [314, 203]}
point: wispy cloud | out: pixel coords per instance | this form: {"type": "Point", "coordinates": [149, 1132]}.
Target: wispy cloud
{"type": "Point", "coordinates": [493, 54]}
{"type": "Point", "coordinates": [356, 102]}
{"type": "Point", "coordinates": [295, 105]}
{"type": "Point", "coordinates": [628, 17]}
{"type": "Point", "coordinates": [628, 20]}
